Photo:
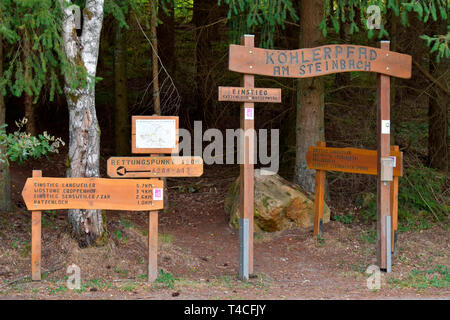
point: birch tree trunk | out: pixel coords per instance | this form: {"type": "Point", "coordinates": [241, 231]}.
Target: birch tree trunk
{"type": "Point", "coordinates": [84, 131]}
{"type": "Point", "coordinates": [5, 179]}
{"type": "Point", "coordinates": [310, 96]}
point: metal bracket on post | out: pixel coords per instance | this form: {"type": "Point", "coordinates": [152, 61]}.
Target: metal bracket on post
{"type": "Point", "coordinates": [243, 248]}
{"type": "Point", "coordinates": [388, 244]}
{"type": "Point", "coordinates": [387, 169]}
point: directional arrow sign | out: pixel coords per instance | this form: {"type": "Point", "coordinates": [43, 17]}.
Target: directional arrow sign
{"type": "Point", "coordinates": [93, 193]}
{"type": "Point", "coordinates": [145, 167]}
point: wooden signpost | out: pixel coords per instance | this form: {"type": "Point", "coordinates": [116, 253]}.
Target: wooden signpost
{"type": "Point", "coordinates": [157, 134]}
{"type": "Point", "coordinates": [351, 160]}
{"type": "Point", "coordinates": [247, 94]}
{"type": "Point", "coordinates": [47, 193]}
{"type": "Point", "coordinates": [312, 62]}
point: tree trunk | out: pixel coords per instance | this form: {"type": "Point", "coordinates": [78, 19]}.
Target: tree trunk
{"type": "Point", "coordinates": [155, 62]}
{"type": "Point", "coordinates": [5, 179]}
{"type": "Point", "coordinates": [166, 36]}
{"type": "Point", "coordinates": [310, 96]}
{"type": "Point", "coordinates": [84, 131]}
{"type": "Point", "coordinates": [28, 99]}
{"type": "Point", "coordinates": [122, 120]}
{"type": "Point", "coordinates": [438, 109]}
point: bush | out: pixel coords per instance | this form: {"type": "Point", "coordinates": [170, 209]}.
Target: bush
{"type": "Point", "coordinates": [422, 200]}
{"type": "Point", "coordinates": [21, 146]}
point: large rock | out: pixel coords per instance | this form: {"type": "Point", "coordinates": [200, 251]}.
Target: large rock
{"type": "Point", "coordinates": [279, 205]}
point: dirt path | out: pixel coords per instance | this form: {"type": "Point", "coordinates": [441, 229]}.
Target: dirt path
{"type": "Point", "coordinates": [198, 254]}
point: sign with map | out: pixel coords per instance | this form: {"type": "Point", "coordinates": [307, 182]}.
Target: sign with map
{"type": "Point", "coordinates": [154, 134]}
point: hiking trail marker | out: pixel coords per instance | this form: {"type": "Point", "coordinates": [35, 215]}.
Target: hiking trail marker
{"type": "Point", "coordinates": [159, 134]}
{"type": "Point", "coordinates": [351, 160]}
{"type": "Point", "coordinates": [147, 167]}
{"type": "Point", "coordinates": [312, 62]}
{"type": "Point", "coordinates": [154, 135]}
{"type": "Point", "coordinates": [249, 95]}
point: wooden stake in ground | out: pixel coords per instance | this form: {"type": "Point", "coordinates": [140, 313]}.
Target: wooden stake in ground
{"type": "Point", "coordinates": [247, 175]}
{"type": "Point", "coordinates": [319, 198]}
{"type": "Point", "coordinates": [36, 239]}
{"type": "Point", "coordinates": [383, 183]}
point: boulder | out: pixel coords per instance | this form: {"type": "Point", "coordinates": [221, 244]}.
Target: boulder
{"type": "Point", "coordinates": [279, 205]}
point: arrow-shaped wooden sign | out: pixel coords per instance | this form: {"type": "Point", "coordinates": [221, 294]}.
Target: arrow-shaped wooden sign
{"type": "Point", "coordinates": [145, 167]}
{"type": "Point", "coordinates": [93, 193]}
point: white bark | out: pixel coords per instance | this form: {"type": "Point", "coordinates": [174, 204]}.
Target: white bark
{"type": "Point", "coordinates": [84, 131]}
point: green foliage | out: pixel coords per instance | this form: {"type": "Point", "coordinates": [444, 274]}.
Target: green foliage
{"type": "Point", "coordinates": [165, 280]}
{"type": "Point", "coordinates": [120, 236]}
{"type": "Point", "coordinates": [438, 277]}
{"type": "Point", "coordinates": [347, 11]}
{"type": "Point", "coordinates": [21, 146]}
{"type": "Point", "coordinates": [346, 219]}
{"type": "Point", "coordinates": [422, 200]}
{"type": "Point", "coordinates": [36, 25]}
{"type": "Point", "coordinates": [247, 16]}
{"type": "Point", "coordinates": [438, 44]}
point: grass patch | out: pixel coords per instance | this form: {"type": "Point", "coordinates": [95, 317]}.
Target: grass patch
{"type": "Point", "coordinates": [166, 238]}
{"type": "Point", "coordinates": [165, 280]}
{"type": "Point", "coordinates": [438, 277]}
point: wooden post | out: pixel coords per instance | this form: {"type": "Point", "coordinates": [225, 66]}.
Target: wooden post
{"type": "Point", "coordinates": [36, 239]}
{"type": "Point", "coordinates": [383, 187]}
{"type": "Point", "coordinates": [394, 208]}
{"type": "Point", "coordinates": [247, 168]}
{"type": "Point", "coordinates": [152, 272]}
{"type": "Point", "coordinates": [152, 246]}
{"type": "Point", "coordinates": [319, 191]}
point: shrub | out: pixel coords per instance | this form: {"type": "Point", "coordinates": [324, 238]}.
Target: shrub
{"type": "Point", "coordinates": [21, 146]}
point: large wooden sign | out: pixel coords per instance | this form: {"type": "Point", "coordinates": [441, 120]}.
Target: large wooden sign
{"type": "Point", "coordinates": [318, 61]}
{"type": "Point", "coordinates": [154, 134]}
{"type": "Point", "coordinates": [237, 94]}
{"type": "Point", "coordinates": [93, 193]}
{"type": "Point", "coordinates": [145, 167]}
{"type": "Point", "coordinates": [349, 160]}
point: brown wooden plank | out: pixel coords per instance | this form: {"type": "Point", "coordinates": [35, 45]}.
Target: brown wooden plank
{"type": "Point", "coordinates": [152, 246]}
{"type": "Point", "coordinates": [247, 168]}
{"type": "Point", "coordinates": [92, 193]}
{"type": "Point", "coordinates": [311, 62]}
{"type": "Point", "coordinates": [239, 94]}
{"type": "Point", "coordinates": [350, 160]}
{"type": "Point", "coordinates": [36, 239]}
{"type": "Point", "coordinates": [383, 138]}
{"type": "Point", "coordinates": [135, 146]}
{"type": "Point", "coordinates": [319, 191]}
{"type": "Point", "coordinates": [146, 167]}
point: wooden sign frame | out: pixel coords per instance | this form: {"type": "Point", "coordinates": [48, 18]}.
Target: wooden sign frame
{"type": "Point", "coordinates": [319, 189]}
{"type": "Point", "coordinates": [312, 62]}
{"type": "Point", "coordinates": [136, 149]}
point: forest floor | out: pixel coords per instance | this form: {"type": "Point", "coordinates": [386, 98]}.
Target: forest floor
{"type": "Point", "coordinates": [198, 253]}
